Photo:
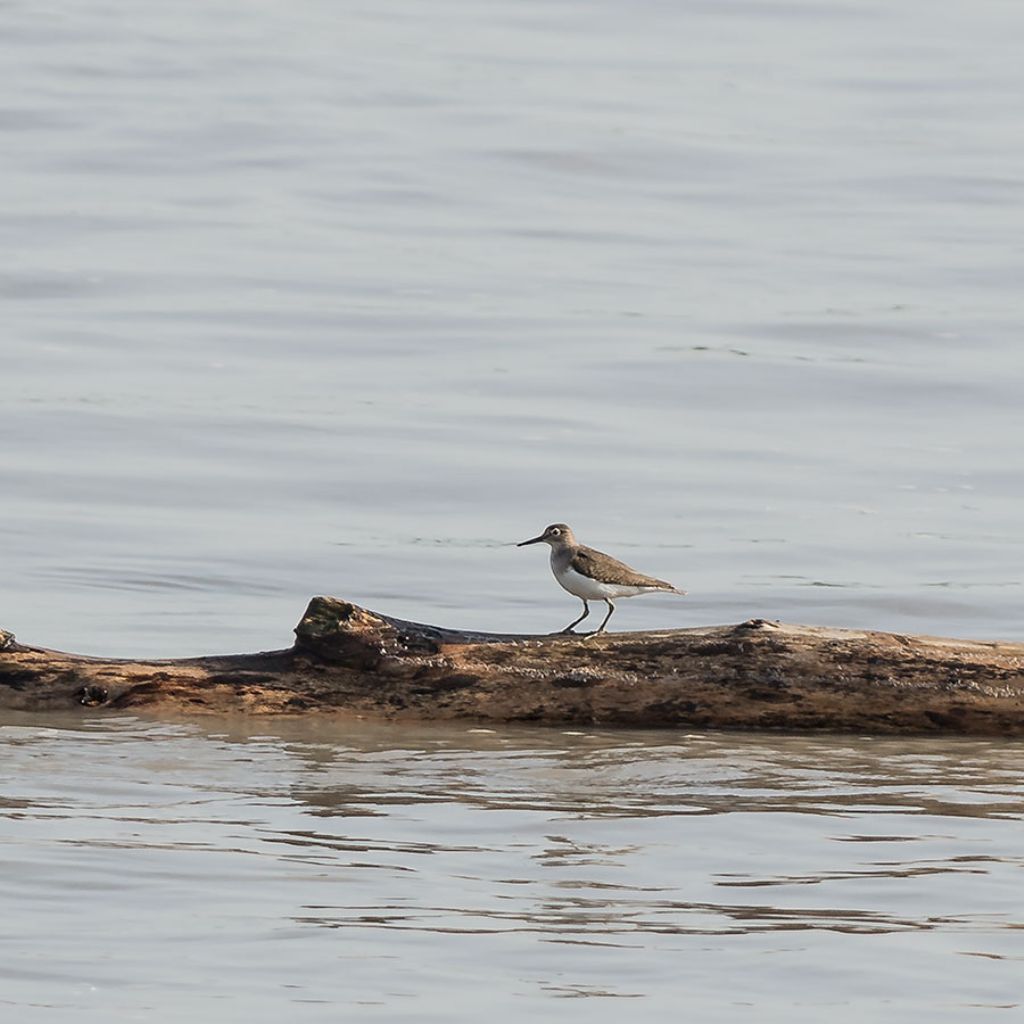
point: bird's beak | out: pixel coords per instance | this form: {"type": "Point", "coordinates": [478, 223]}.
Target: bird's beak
{"type": "Point", "coordinates": [536, 540]}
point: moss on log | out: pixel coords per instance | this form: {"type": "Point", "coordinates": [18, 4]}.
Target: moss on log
{"type": "Point", "coordinates": [756, 675]}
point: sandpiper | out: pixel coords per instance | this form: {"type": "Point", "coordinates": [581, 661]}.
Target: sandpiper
{"type": "Point", "coordinates": [592, 575]}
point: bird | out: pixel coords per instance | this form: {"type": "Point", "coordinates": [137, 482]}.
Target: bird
{"type": "Point", "coordinates": [592, 575]}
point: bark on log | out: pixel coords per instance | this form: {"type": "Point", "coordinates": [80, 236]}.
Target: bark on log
{"type": "Point", "coordinates": [756, 675]}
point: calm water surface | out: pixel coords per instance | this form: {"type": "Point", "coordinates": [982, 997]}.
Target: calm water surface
{"type": "Point", "coordinates": [341, 298]}
{"type": "Point", "coordinates": [311, 870]}
{"type": "Point", "coordinates": [345, 298]}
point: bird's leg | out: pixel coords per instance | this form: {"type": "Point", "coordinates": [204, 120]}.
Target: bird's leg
{"type": "Point", "coordinates": [576, 622]}
{"type": "Point", "coordinates": [611, 608]}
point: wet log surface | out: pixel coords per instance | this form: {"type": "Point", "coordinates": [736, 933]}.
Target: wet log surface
{"type": "Point", "coordinates": [756, 675]}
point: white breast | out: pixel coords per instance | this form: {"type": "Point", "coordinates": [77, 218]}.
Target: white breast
{"type": "Point", "coordinates": [593, 590]}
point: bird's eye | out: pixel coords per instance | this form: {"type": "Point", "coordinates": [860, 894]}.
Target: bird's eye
{"type": "Point", "coordinates": [555, 533]}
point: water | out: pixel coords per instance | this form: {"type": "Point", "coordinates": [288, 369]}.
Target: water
{"type": "Point", "coordinates": [335, 298]}
{"type": "Point", "coordinates": [314, 871]}
{"type": "Point", "coordinates": [341, 299]}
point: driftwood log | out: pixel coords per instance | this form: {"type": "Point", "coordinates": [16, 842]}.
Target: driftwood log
{"type": "Point", "coordinates": [756, 675]}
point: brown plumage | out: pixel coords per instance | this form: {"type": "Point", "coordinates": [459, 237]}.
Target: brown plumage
{"type": "Point", "coordinates": [599, 566]}
{"type": "Point", "coordinates": [592, 575]}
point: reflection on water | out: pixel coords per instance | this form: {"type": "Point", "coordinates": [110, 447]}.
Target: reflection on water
{"type": "Point", "coordinates": [300, 863]}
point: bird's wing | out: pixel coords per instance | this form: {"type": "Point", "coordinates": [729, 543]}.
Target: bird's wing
{"type": "Point", "coordinates": [600, 566]}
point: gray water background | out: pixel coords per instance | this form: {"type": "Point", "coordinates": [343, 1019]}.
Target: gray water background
{"type": "Point", "coordinates": [346, 298]}
{"type": "Point", "coordinates": [303, 870]}
{"type": "Point", "coordinates": [336, 298]}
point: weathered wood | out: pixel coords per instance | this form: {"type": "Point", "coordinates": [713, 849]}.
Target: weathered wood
{"type": "Point", "coordinates": [756, 675]}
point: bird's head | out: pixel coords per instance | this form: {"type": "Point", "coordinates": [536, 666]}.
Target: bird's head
{"type": "Point", "coordinates": [557, 535]}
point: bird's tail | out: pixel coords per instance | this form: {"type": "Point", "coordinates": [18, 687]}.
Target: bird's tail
{"type": "Point", "coordinates": [669, 588]}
